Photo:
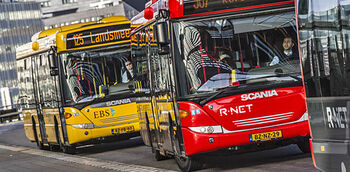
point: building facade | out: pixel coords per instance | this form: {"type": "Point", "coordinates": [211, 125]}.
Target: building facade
{"type": "Point", "coordinates": [18, 22]}
{"type": "Point", "coordinates": [20, 19]}
{"type": "Point", "coordinates": [58, 13]}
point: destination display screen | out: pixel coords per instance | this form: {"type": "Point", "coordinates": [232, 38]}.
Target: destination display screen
{"type": "Point", "coordinates": [202, 6]}
{"type": "Point", "coordinates": [98, 36]}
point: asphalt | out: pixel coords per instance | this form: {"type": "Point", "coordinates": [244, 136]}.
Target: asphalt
{"type": "Point", "coordinates": [12, 161]}
{"type": "Point", "coordinates": [134, 152]}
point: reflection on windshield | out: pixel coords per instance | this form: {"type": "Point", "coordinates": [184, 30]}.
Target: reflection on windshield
{"type": "Point", "coordinates": [221, 53]}
{"type": "Point", "coordinates": [89, 74]}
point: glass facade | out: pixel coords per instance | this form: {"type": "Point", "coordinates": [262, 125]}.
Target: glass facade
{"type": "Point", "coordinates": [18, 22]}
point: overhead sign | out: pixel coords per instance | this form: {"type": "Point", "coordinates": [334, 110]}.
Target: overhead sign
{"type": "Point", "coordinates": [97, 36]}
{"type": "Point", "coordinates": [202, 6]}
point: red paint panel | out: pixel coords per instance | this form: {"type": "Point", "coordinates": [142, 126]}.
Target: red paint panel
{"type": "Point", "coordinates": [197, 119]}
{"type": "Point", "coordinates": [175, 8]}
{"type": "Point", "coordinates": [258, 109]}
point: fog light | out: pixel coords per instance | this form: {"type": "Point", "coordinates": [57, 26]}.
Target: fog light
{"type": "Point", "coordinates": [211, 140]}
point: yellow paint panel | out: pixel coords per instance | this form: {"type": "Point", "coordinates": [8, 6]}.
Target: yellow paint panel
{"type": "Point", "coordinates": [76, 116]}
{"type": "Point", "coordinates": [76, 135]}
{"type": "Point", "coordinates": [113, 115]}
{"type": "Point", "coordinates": [113, 19]}
{"type": "Point", "coordinates": [49, 116]}
{"type": "Point", "coordinates": [28, 125]}
{"type": "Point", "coordinates": [48, 32]}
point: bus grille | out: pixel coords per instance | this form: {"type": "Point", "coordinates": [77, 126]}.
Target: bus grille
{"type": "Point", "coordinates": [263, 120]}
{"type": "Point", "coordinates": [120, 118]}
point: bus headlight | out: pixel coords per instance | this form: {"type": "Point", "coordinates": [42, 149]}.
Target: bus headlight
{"type": "Point", "coordinates": [84, 126]}
{"type": "Point", "coordinates": [207, 129]}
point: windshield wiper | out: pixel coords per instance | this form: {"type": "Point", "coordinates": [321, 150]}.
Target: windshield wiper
{"type": "Point", "coordinates": [203, 102]}
{"type": "Point", "coordinates": [290, 75]}
{"type": "Point", "coordinates": [278, 73]}
{"type": "Point", "coordinates": [221, 90]}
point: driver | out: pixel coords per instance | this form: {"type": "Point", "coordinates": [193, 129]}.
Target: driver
{"type": "Point", "coordinates": [288, 53]}
{"type": "Point", "coordinates": [128, 74]}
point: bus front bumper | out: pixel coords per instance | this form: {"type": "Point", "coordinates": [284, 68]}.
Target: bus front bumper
{"type": "Point", "coordinates": [200, 142]}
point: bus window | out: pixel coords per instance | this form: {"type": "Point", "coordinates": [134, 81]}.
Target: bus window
{"type": "Point", "coordinates": [141, 66]}
{"type": "Point", "coordinates": [215, 50]}
{"type": "Point", "coordinates": [47, 82]}
{"type": "Point", "coordinates": [88, 73]}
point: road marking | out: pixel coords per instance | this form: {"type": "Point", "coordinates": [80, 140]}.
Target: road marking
{"type": "Point", "coordinates": [10, 123]}
{"type": "Point", "coordinates": [110, 165]}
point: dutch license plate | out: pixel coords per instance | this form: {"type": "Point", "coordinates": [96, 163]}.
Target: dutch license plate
{"type": "Point", "coordinates": [122, 130]}
{"type": "Point", "coordinates": [265, 136]}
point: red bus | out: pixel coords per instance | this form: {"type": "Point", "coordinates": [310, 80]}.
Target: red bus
{"type": "Point", "coordinates": [324, 35]}
{"type": "Point", "coordinates": [218, 74]}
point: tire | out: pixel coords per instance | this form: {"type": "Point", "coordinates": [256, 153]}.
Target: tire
{"type": "Point", "coordinates": [68, 149]}
{"type": "Point", "coordinates": [38, 143]}
{"type": "Point", "coordinates": [188, 164]}
{"type": "Point", "coordinates": [304, 145]}
{"type": "Point", "coordinates": [158, 156]}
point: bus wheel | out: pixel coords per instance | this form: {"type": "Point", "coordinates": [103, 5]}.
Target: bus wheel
{"type": "Point", "coordinates": [188, 164]}
{"type": "Point", "coordinates": [35, 133]}
{"type": "Point", "coordinates": [304, 145]}
{"type": "Point", "coordinates": [68, 149]}
{"type": "Point", "coordinates": [158, 156]}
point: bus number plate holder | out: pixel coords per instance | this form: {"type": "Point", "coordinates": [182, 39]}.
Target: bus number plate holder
{"type": "Point", "coordinates": [265, 136]}
{"type": "Point", "coordinates": [122, 130]}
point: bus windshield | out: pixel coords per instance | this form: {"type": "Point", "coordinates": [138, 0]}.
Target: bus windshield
{"type": "Point", "coordinates": [87, 75]}
{"type": "Point", "coordinates": [247, 51]}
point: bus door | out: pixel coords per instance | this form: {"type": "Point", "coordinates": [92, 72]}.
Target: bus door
{"type": "Point", "coordinates": [162, 100]}
{"type": "Point", "coordinates": [38, 94]}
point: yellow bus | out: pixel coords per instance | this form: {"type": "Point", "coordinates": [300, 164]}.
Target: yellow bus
{"type": "Point", "coordinates": [76, 85]}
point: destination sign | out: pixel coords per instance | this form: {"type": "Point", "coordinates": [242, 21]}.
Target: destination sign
{"type": "Point", "coordinates": [98, 36]}
{"type": "Point", "coordinates": [202, 6]}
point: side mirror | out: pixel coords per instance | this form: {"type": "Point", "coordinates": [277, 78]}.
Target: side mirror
{"type": "Point", "coordinates": [53, 60]}
{"type": "Point", "coordinates": [161, 30]}
{"type": "Point", "coordinates": [53, 63]}
{"type": "Point", "coordinates": [162, 33]}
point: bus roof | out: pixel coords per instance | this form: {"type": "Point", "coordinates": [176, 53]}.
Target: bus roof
{"type": "Point", "coordinates": [114, 30]}
{"type": "Point", "coordinates": [195, 8]}
{"type": "Point", "coordinates": [43, 44]}
{"type": "Point", "coordinates": [49, 38]}
{"type": "Point", "coordinates": [45, 40]}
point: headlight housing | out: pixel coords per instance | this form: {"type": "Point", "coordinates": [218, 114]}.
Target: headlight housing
{"type": "Point", "coordinates": [207, 129]}
{"type": "Point", "coordinates": [85, 126]}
